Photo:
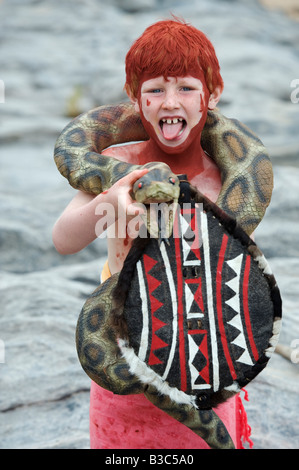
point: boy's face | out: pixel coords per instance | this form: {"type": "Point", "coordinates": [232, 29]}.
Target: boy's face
{"type": "Point", "coordinates": [173, 111]}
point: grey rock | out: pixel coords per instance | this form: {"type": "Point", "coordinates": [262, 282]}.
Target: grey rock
{"type": "Point", "coordinates": [66, 420]}
{"type": "Point", "coordinates": [135, 6]}
{"type": "Point", "coordinates": [279, 230]}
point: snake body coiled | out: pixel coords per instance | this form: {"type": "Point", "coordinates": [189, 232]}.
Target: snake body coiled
{"type": "Point", "coordinates": [246, 170]}
{"type": "Point", "coordinates": [247, 183]}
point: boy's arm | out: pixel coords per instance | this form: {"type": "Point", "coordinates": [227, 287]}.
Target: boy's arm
{"type": "Point", "coordinates": [76, 227]}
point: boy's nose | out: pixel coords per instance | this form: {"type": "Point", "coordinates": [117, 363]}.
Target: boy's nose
{"type": "Point", "coordinates": [171, 101]}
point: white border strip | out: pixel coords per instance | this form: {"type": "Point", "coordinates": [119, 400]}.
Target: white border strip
{"type": "Point", "coordinates": [148, 376]}
{"type": "Point", "coordinates": [174, 303]}
{"type": "Point", "coordinates": [210, 297]}
{"type": "Point", "coordinates": [145, 320]}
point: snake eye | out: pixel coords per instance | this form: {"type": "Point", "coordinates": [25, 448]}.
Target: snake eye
{"type": "Point", "coordinates": [172, 180]}
{"type": "Point", "coordinates": [140, 185]}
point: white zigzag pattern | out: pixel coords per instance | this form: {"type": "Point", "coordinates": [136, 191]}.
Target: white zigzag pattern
{"type": "Point", "coordinates": [193, 350]}
{"type": "Point", "coordinates": [189, 298]}
{"type": "Point", "coordinates": [234, 302]}
{"type": "Point", "coordinates": [185, 245]}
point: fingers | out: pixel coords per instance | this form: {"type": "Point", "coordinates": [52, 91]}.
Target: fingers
{"type": "Point", "coordinates": [133, 176]}
{"type": "Point", "coordinates": [125, 185]}
{"type": "Point", "coordinates": [119, 195]}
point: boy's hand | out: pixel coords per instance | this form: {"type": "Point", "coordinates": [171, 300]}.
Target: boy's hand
{"type": "Point", "coordinates": [119, 195]}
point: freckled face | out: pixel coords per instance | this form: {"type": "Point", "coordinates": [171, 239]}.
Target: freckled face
{"type": "Point", "coordinates": [173, 109]}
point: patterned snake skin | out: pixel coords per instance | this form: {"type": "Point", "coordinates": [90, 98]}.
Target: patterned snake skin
{"type": "Point", "coordinates": [247, 183]}
{"type": "Point", "coordinates": [247, 178]}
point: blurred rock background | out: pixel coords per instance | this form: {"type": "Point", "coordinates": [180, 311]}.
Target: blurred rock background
{"type": "Point", "coordinates": [64, 57]}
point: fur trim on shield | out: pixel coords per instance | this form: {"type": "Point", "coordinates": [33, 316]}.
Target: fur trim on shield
{"type": "Point", "coordinates": [147, 376]}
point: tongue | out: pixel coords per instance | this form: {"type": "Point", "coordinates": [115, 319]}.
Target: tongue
{"type": "Point", "coordinates": [171, 131]}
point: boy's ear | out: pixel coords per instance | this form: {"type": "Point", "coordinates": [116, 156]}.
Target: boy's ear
{"type": "Point", "coordinates": [134, 101]}
{"type": "Point", "coordinates": [214, 98]}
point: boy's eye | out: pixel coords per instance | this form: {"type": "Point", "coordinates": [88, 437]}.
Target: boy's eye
{"type": "Point", "coordinates": [156, 90]}
{"type": "Point", "coordinates": [186, 88]}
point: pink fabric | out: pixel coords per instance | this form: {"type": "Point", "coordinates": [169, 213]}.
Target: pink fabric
{"type": "Point", "coordinates": [132, 422]}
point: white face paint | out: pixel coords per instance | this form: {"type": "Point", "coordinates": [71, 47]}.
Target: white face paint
{"type": "Point", "coordinates": [173, 107]}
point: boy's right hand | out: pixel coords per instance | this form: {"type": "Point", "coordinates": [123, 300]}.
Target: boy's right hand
{"type": "Point", "coordinates": [120, 195]}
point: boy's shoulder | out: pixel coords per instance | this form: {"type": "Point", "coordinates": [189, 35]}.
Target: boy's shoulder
{"type": "Point", "coordinates": [126, 152]}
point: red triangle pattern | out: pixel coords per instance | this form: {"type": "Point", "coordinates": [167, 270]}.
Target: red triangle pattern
{"type": "Point", "coordinates": [157, 342]}
{"type": "Point", "coordinates": [198, 293]}
{"type": "Point", "coordinates": [193, 223]}
{"type": "Point", "coordinates": [153, 283]}
{"type": "Point", "coordinates": [149, 263]}
{"type": "Point", "coordinates": [203, 347]}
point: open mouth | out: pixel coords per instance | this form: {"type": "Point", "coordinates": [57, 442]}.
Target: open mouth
{"type": "Point", "coordinates": [172, 128]}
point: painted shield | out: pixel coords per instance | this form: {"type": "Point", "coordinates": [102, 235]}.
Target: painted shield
{"type": "Point", "coordinates": [204, 310]}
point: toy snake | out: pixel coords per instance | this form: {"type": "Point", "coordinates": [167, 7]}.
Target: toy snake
{"type": "Point", "coordinates": [247, 183]}
{"type": "Point", "coordinates": [246, 171]}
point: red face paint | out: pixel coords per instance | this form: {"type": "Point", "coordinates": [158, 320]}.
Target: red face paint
{"type": "Point", "coordinates": [194, 133]}
{"type": "Point", "coordinates": [202, 104]}
{"type": "Point", "coordinates": [148, 103]}
{"type": "Point", "coordinates": [126, 240]}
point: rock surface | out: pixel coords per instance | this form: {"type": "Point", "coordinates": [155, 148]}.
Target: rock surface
{"type": "Point", "coordinates": [55, 62]}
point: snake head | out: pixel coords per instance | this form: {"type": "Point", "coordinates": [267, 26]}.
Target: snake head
{"type": "Point", "coordinates": [159, 190]}
{"type": "Point", "coordinates": [160, 184]}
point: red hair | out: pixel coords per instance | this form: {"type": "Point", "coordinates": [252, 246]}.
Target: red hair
{"type": "Point", "coordinates": [171, 48]}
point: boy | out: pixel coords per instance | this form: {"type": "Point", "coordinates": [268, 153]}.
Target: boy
{"type": "Point", "coordinates": [173, 78]}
